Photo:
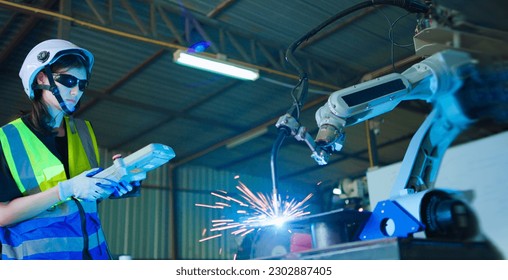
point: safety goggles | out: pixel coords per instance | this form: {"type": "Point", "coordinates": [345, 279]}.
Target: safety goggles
{"type": "Point", "coordinates": [70, 81]}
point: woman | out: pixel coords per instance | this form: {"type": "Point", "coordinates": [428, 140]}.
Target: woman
{"type": "Point", "coordinates": [43, 213]}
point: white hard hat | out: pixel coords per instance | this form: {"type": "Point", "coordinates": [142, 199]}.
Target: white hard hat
{"type": "Point", "coordinates": [46, 53]}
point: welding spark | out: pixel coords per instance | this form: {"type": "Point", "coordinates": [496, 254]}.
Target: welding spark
{"type": "Point", "coordinates": [257, 210]}
{"type": "Point", "coordinates": [210, 237]}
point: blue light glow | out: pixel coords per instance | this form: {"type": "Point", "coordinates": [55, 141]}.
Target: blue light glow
{"type": "Point", "coordinates": [199, 47]}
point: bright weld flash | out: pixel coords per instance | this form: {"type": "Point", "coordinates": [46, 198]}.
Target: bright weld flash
{"type": "Point", "coordinates": [258, 210]}
{"type": "Point", "coordinates": [278, 222]}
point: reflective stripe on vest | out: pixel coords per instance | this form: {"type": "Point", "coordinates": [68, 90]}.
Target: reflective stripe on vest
{"type": "Point", "coordinates": [55, 233]}
{"type": "Point", "coordinates": [72, 249]}
{"type": "Point", "coordinates": [34, 168]}
{"type": "Point", "coordinates": [86, 147]}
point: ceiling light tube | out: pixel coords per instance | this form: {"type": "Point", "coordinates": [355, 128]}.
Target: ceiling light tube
{"type": "Point", "coordinates": [215, 65]}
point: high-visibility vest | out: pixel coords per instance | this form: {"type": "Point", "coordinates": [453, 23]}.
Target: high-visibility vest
{"type": "Point", "coordinates": [68, 230]}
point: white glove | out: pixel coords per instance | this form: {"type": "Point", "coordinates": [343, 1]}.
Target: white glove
{"type": "Point", "coordinates": [82, 186]}
{"type": "Point", "coordinates": [114, 189]}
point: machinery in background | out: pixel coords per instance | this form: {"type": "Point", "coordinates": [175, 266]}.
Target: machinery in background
{"type": "Point", "coordinates": [351, 194]}
{"type": "Point", "coordinates": [339, 220]}
{"type": "Point", "coordinates": [463, 76]}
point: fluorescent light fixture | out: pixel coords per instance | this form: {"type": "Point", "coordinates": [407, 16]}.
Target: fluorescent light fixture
{"type": "Point", "coordinates": [215, 65]}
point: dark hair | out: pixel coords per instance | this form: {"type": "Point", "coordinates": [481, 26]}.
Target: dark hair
{"type": "Point", "coordinates": [39, 116]}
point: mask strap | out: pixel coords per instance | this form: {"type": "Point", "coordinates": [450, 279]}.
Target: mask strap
{"type": "Point", "coordinates": [54, 89]}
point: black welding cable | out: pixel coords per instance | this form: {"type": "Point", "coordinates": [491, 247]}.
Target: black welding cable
{"type": "Point", "coordinates": [283, 133]}
{"type": "Point", "coordinates": [291, 49]}
{"type": "Point", "coordinates": [413, 6]}
{"type": "Point", "coordinates": [301, 88]}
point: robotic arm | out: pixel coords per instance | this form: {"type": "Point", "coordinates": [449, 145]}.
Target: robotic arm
{"type": "Point", "coordinates": [439, 75]}
{"type": "Point", "coordinates": [442, 79]}
{"type": "Point", "coordinates": [434, 79]}
{"type": "Point", "coordinates": [462, 87]}
{"type": "Point", "coordinates": [461, 92]}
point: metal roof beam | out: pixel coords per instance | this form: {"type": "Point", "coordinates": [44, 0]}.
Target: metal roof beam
{"type": "Point", "coordinates": [224, 142]}
{"type": "Point", "coordinates": [6, 27]}
{"type": "Point", "coordinates": [316, 102]}
{"type": "Point", "coordinates": [32, 21]}
{"type": "Point", "coordinates": [156, 109]}
{"type": "Point", "coordinates": [220, 8]}
{"type": "Point", "coordinates": [153, 20]}
{"type": "Point", "coordinates": [238, 47]}
{"type": "Point", "coordinates": [323, 34]}
{"type": "Point", "coordinates": [121, 81]}
{"type": "Point", "coordinates": [258, 48]}
{"type": "Point", "coordinates": [184, 111]}
{"type": "Point", "coordinates": [64, 27]}
{"type": "Point", "coordinates": [96, 13]}
{"type": "Point", "coordinates": [269, 56]}
{"type": "Point", "coordinates": [127, 6]}
{"type": "Point", "coordinates": [170, 25]}
{"type": "Point", "coordinates": [261, 47]}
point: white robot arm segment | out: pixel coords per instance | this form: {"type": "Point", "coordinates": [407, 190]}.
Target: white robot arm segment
{"type": "Point", "coordinates": [435, 76]}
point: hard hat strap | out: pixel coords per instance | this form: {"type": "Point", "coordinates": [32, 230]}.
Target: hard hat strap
{"type": "Point", "coordinates": [54, 89]}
